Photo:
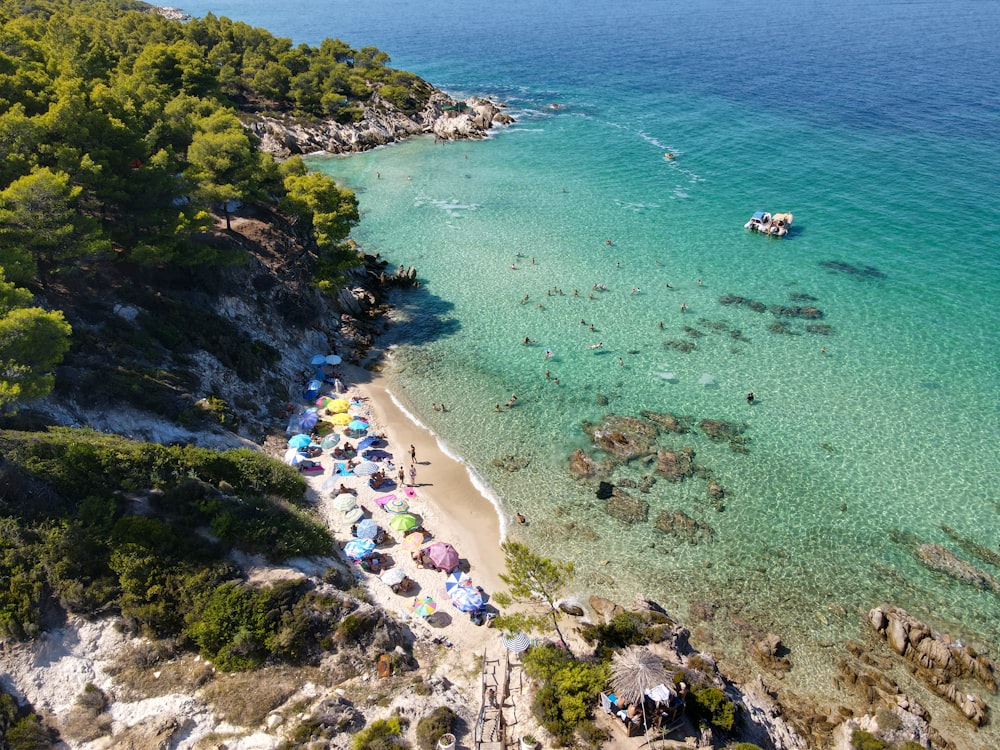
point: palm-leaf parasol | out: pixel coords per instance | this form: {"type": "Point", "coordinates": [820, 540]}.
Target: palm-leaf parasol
{"type": "Point", "coordinates": [633, 672]}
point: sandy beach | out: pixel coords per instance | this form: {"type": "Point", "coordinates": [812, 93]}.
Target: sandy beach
{"type": "Point", "coordinates": [446, 500]}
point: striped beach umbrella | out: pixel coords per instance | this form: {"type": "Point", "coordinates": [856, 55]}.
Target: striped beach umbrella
{"type": "Point", "coordinates": [397, 505]}
{"type": "Point", "coordinates": [366, 468]}
{"type": "Point", "coordinates": [517, 642]}
{"type": "Point", "coordinates": [424, 606]}
{"type": "Point", "coordinates": [353, 515]}
{"type": "Point", "coordinates": [466, 598]}
{"type": "Point", "coordinates": [344, 502]}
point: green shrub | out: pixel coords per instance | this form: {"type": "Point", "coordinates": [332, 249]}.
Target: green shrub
{"type": "Point", "coordinates": [430, 728]}
{"type": "Point", "coordinates": [862, 740]}
{"type": "Point", "coordinates": [625, 629]}
{"type": "Point", "coordinates": [381, 735]}
{"type": "Point", "coordinates": [744, 746]}
{"type": "Point", "coordinates": [568, 692]}
{"type": "Point", "coordinates": [712, 707]}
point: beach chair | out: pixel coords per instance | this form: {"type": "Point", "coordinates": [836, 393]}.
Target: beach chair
{"type": "Point", "coordinates": [609, 703]}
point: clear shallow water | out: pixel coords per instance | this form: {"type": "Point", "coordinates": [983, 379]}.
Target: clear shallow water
{"type": "Point", "coordinates": [880, 137]}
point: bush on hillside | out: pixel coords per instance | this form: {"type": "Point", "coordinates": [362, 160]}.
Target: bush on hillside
{"type": "Point", "coordinates": [430, 728]}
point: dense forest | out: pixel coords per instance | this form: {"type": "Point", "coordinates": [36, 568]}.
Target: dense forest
{"type": "Point", "coordinates": [124, 157]}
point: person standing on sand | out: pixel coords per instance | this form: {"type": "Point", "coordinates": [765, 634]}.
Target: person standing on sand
{"type": "Point", "coordinates": [413, 454]}
{"type": "Point", "coordinates": [402, 475]}
{"type": "Point", "coordinates": [413, 474]}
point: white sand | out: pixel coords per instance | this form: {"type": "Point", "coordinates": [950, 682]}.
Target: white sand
{"type": "Point", "coordinates": [451, 507]}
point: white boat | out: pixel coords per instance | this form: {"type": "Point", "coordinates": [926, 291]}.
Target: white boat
{"type": "Point", "coordinates": [775, 225]}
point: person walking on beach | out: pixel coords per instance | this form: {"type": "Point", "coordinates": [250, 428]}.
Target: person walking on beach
{"type": "Point", "coordinates": [413, 474]}
{"type": "Point", "coordinates": [413, 453]}
{"type": "Point", "coordinates": [402, 475]}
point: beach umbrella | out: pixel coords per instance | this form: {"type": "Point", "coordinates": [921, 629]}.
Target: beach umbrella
{"type": "Point", "coordinates": [368, 442]}
{"type": "Point", "coordinates": [456, 579]}
{"type": "Point", "coordinates": [366, 468]}
{"type": "Point", "coordinates": [344, 502]}
{"type": "Point", "coordinates": [308, 419]}
{"type": "Point", "coordinates": [333, 359]}
{"type": "Point", "coordinates": [359, 549]}
{"type": "Point", "coordinates": [299, 441]}
{"type": "Point", "coordinates": [634, 671]}
{"type": "Point", "coordinates": [357, 426]}
{"type": "Point", "coordinates": [424, 606]}
{"type": "Point", "coordinates": [376, 454]}
{"type": "Point", "coordinates": [337, 406]}
{"type": "Point", "coordinates": [397, 505]}
{"type": "Point", "coordinates": [293, 457]}
{"type": "Point", "coordinates": [443, 556]}
{"type": "Point", "coordinates": [466, 598]}
{"type": "Point", "coordinates": [341, 419]}
{"type": "Point", "coordinates": [367, 529]}
{"type": "Point", "coordinates": [311, 391]}
{"type": "Point", "coordinates": [412, 541]}
{"type": "Point", "coordinates": [317, 359]}
{"type": "Point", "coordinates": [329, 441]}
{"type": "Point", "coordinates": [403, 522]}
{"type": "Point", "coordinates": [353, 515]}
{"type": "Point", "coordinates": [517, 642]}
{"type": "Point", "coordinates": [393, 576]}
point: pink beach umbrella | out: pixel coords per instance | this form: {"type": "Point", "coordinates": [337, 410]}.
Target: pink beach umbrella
{"type": "Point", "coordinates": [443, 556]}
{"type": "Point", "coordinates": [413, 541]}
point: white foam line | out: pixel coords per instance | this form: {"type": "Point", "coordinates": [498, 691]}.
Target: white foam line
{"type": "Point", "coordinates": [481, 485]}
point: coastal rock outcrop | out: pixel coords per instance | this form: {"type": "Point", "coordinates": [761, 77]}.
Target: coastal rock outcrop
{"type": "Point", "coordinates": [382, 123]}
{"type": "Point", "coordinates": [938, 660]}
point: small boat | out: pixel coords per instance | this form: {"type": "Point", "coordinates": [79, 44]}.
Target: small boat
{"type": "Point", "coordinates": [775, 225]}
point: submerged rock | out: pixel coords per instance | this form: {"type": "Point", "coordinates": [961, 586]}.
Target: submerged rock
{"type": "Point", "coordinates": [624, 438]}
{"type": "Point", "coordinates": [719, 431]}
{"type": "Point", "coordinates": [679, 524]}
{"type": "Point", "coordinates": [669, 422]}
{"type": "Point", "coordinates": [583, 466]}
{"type": "Point", "coordinates": [675, 466]}
{"type": "Point", "coordinates": [939, 558]}
{"type": "Point", "coordinates": [626, 508]}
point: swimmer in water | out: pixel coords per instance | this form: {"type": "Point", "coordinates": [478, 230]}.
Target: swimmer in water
{"type": "Point", "coordinates": [596, 346]}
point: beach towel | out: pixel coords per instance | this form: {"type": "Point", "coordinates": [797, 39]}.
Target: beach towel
{"type": "Point", "coordinates": [341, 470]}
{"type": "Point", "coordinates": [410, 492]}
{"type": "Point", "coordinates": [317, 469]}
{"type": "Point", "coordinates": [381, 500]}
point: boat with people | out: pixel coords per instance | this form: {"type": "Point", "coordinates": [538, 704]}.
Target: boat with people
{"type": "Point", "coordinates": [775, 225]}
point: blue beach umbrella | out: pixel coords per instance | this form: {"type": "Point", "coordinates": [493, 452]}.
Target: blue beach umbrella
{"type": "Point", "coordinates": [308, 419]}
{"type": "Point", "coordinates": [456, 579]}
{"type": "Point", "coordinates": [357, 426]}
{"type": "Point", "coordinates": [368, 442]}
{"type": "Point", "coordinates": [333, 359]}
{"type": "Point", "coordinates": [466, 598]}
{"type": "Point", "coordinates": [359, 549]}
{"type": "Point", "coordinates": [299, 441]}
{"type": "Point", "coordinates": [318, 359]}
{"type": "Point", "coordinates": [367, 529]}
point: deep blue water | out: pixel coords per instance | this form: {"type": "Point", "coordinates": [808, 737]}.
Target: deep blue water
{"type": "Point", "coordinates": [876, 124]}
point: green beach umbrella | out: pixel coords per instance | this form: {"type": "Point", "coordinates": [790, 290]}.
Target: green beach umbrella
{"type": "Point", "coordinates": [403, 522]}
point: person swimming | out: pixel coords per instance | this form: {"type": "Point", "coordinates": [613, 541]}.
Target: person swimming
{"type": "Point", "coordinates": [596, 346]}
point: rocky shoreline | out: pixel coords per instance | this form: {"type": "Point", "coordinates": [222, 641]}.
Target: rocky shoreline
{"type": "Point", "coordinates": [443, 117]}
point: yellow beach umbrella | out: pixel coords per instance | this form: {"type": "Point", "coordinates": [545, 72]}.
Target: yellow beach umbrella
{"type": "Point", "coordinates": [337, 405]}
{"type": "Point", "coordinates": [341, 419]}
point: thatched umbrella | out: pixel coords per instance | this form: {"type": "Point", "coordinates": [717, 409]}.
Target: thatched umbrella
{"type": "Point", "coordinates": [633, 672]}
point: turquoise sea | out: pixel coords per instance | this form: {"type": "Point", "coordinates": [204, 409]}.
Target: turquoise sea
{"type": "Point", "coordinates": [878, 125]}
